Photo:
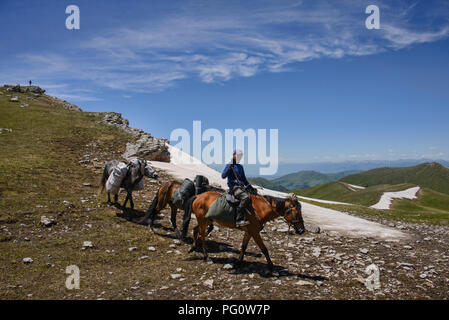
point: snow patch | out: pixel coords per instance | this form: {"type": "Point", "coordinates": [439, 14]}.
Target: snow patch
{"type": "Point", "coordinates": [386, 199]}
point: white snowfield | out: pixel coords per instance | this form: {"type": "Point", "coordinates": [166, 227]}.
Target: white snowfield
{"type": "Point", "coordinates": [354, 186]}
{"type": "Point", "coordinates": [386, 199]}
{"type": "Point", "coordinates": [183, 166]}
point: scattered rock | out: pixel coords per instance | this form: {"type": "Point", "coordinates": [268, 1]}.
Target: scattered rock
{"type": "Point", "coordinates": [132, 249]}
{"type": "Point", "coordinates": [152, 248]}
{"type": "Point", "coordinates": [313, 228]}
{"type": "Point", "coordinates": [228, 266]}
{"type": "Point", "coordinates": [27, 260]}
{"type": "Point", "coordinates": [316, 251]}
{"type": "Point", "coordinates": [175, 275]}
{"type": "Point", "coordinates": [87, 184]}
{"type": "Point", "coordinates": [14, 99]}
{"type": "Point", "coordinates": [363, 250]}
{"type": "Point", "coordinates": [209, 283]}
{"type": "Point", "coordinates": [87, 244]}
{"type": "Point", "coordinates": [47, 222]}
{"type": "Point", "coordinates": [304, 283]}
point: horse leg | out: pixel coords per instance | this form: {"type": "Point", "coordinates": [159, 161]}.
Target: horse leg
{"type": "Point", "coordinates": [185, 223]}
{"type": "Point", "coordinates": [195, 239]}
{"type": "Point", "coordinates": [173, 214]}
{"type": "Point", "coordinates": [245, 241]}
{"type": "Point", "coordinates": [109, 198]}
{"type": "Point", "coordinates": [126, 201]}
{"type": "Point", "coordinates": [202, 230]}
{"type": "Point", "coordinates": [209, 229]}
{"type": "Point", "coordinates": [115, 198]}
{"type": "Point", "coordinates": [264, 249]}
{"type": "Point", "coordinates": [131, 202]}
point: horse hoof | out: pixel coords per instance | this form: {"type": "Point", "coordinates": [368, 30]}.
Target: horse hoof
{"type": "Point", "coordinates": [192, 248]}
{"type": "Point", "coordinates": [178, 234]}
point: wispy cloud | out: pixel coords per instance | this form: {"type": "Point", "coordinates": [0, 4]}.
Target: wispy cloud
{"type": "Point", "coordinates": [216, 43]}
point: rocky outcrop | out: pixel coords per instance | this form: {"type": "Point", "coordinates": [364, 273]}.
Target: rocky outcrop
{"type": "Point", "coordinates": [146, 146]}
{"type": "Point", "coordinates": [115, 119]}
{"type": "Point", "coordinates": [38, 91]}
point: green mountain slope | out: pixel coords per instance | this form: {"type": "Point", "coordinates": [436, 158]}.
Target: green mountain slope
{"type": "Point", "coordinates": [307, 179]}
{"type": "Point", "coordinates": [339, 191]}
{"type": "Point", "coordinates": [267, 184]}
{"type": "Point", "coordinates": [430, 175]}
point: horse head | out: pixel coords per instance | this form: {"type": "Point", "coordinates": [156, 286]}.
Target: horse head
{"type": "Point", "coordinates": [293, 215]}
{"type": "Point", "coordinates": [290, 209]}
{"type": "Point", "coordinates": [149, 171]}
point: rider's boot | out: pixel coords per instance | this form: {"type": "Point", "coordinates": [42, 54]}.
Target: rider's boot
{"type": "Point", "coordinates": [240, 218]}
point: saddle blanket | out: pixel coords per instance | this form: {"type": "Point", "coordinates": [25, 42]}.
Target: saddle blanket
{"type": "Point", "coordinates": [221, 210]}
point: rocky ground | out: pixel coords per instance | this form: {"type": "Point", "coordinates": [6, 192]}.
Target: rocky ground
{"type": "Point", "coordinates": [155, 265]}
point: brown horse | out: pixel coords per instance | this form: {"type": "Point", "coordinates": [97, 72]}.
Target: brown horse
{"type": "Point", "coordinates": [265, 209]}
{"type": "Point", "coordinates": [164, 197]}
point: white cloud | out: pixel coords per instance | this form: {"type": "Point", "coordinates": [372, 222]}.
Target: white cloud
{"type": "Point", "coordinates": [224, 41]}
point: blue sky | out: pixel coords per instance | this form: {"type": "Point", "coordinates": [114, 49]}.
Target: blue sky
{"type": "Point", "coordinates": [335, 90]}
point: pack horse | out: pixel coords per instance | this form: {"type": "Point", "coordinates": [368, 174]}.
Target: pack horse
{"type": "Point", "coordinates": [129, 176]}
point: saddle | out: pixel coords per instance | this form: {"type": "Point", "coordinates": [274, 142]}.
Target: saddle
{"type": "Point", "coordinates": [233, 201]}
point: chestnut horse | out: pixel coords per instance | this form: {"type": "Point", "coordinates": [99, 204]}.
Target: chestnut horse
{"type": "Point", "coordinates": [265, 208]}
{"type": "Point", "coordinates": [164, 197]}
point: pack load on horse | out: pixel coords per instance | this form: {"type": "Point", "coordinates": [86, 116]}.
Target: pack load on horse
{"type": "Point", "coordinates": [239, 187]}
{"type": "Point", "coordinates": [129, 176]}
{"type": "Point", "coordinates": [166, 196]}
{"type": "Point", "coordinates": [184, 192]}
{"type": "Point", "coordinates": [265, 209]}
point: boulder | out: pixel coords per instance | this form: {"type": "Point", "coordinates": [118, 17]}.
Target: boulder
{"type": "Point", "coordinates": [14, 99]}
{"type": "Point", "coordinates": [35, 90]}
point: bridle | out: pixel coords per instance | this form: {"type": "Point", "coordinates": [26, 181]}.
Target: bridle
{"type": "Point", "coordinates": [289, 211]}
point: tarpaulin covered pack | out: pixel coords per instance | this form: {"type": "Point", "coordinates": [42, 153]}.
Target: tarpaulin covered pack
{"type": "Point", "coordinates": [221, 210]}
{"type": "Point", "coordinates": [201, 184]}
{"type": "Point", "coordinates": [141, 184]}
{"type": "Point", "coordinates": [116, 177]}
{"type": "Point", "coordinates": [185, 191]}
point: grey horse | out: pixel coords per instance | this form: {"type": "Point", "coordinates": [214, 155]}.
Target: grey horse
{"type": "Point", "coordinates": [136, 171]}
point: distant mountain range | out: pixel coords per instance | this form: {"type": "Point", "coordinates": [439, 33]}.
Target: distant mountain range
{"type": "Point", "coordinates": [430, 175]}
{"type": "Point", "coordinates": [300, 180]}
{"type": "Point", "coordinates": [262, 182]}
{"type": "Point", "coordinates": [330, 167]}
{"type": "Point", "coordinates": [432, 203]}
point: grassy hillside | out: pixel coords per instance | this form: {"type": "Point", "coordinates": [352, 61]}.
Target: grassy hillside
{"type": "Point", "coordinates": [431, 206]}
{"type": "Point", "coordinates": [430, 175]}
{"type": "Point", "coordinates": [307, 179]}
{"type": "Point", "coordinates": [267, 184]}
{"type": "Point", "coordinates": [339, 191]}
{"type": "Point", "coordinates": [41, 174]}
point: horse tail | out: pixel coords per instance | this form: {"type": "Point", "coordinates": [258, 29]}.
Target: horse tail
{"type": "Point", "coordinates": [164, 194]}
{"type": "Point", "coordinates": [104, 178]}
{"type": "Point", "coordinates": [152, 208]}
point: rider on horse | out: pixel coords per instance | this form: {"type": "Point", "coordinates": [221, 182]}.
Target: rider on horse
{"type": "Point", "coordinates": [238, 186]}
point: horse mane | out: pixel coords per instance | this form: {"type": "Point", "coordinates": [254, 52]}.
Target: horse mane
{"type": "Point", "coordinates": [279, 202]}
